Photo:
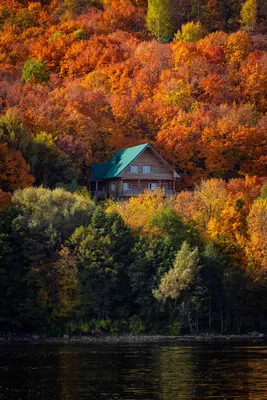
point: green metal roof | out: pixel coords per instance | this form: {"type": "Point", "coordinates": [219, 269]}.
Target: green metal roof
{"type": "Point", "coordinates": [116, 164]}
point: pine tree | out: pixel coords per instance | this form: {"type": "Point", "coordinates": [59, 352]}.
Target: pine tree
{"type": "Point", "coordinates": [249, 14]}
{"type": "Point", "coordinates": [158, 19]}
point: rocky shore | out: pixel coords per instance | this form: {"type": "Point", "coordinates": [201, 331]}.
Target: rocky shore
{"type": "Point", "coordinates": [102, 338]}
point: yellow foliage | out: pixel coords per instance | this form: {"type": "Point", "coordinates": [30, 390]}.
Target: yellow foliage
{"type": "Point", "coordinates": [257, 231]}
{"type": "Point", "coordinates": [184, 53]}
{"type": "Point", "coordinates": [237, 48]}
{"type": "Point", "coordinates": [137, 211]}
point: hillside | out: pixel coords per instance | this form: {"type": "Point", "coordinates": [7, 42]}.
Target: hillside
{"type": "Point", "coordinates": [80, 79]}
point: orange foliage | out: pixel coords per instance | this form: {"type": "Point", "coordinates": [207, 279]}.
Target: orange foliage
{"type": "Point", "coordinates": [14, 172]}
{"type": "Point", "coordinates": [201, 104]}
{"type": "Point", "coordinates": [122, 14]}
{"type": "Point", "coordinates": [257, 232]}
{"type": "Point", "coordinates": [230, 215]}
{"type": "Point", "coordinates": [254, 80]}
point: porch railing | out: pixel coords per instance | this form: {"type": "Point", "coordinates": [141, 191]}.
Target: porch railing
{"type": "Point", "coordinates": [101, 194]}
{"type": "Point", "coordinates": [135, 192]}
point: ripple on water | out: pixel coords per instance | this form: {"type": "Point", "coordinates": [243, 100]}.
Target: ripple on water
{"type": "Point", "coordinates": [134, 371]}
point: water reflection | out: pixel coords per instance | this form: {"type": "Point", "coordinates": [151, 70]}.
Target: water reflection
{"type": "Point", "coordinates": [177, 369]}
{"type": "Point", "coordinates": [133, 372]}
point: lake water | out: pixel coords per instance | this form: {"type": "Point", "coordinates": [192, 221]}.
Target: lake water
{"type": "Point", "coordinates": [133, 372]}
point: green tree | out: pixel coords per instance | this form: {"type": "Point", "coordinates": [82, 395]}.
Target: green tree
{"type": "Point", "coordinates": [190, 32]}
{"type": "Point", "coordinates": [158, 19]}
{"type": "Point", "coordinates": [35, 71]}
{"type": "Point", "coordinates": [12, 273]}
{"type": "Point", "coordinates": [152, 258]}
{"type": "Point", "coordinates": [249, 15]}
{"type": "Point", "coordinates": [42, 211]}
{"type": "Point", "coordinates": [36, 224]}
{"type": "Point", "coordinates": [264, 191]}
{"type": "Point", "coordinates": [181, 275]}
{"type": "Point", "coordinates": [168, 223]}
{"type": "Point", "coordinates": [179, 278]}
{"type": "Point", "coordinates": [25, 18]}
{"type": "Point", "coordinates": [214, 265]}
{"type": "Point", "coordinates": [13, 132]}
{"type": "Point", "coordinates": [103, 255]}
{"type": "Point", "coordinates": [50, 166]}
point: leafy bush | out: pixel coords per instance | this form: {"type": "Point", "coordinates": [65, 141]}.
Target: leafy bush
{"type": "Point", "coordinates": [136, 325]}
{"type": "Point", "coordinates": [174, 328]}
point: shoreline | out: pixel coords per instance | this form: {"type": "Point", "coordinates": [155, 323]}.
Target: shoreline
{"type": "Point", "coordinates": [66, 339]}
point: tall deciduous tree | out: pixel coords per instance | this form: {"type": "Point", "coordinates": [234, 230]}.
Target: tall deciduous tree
{"type": "Point", "coordinates": [181, 275]}
{"type": "Point", "coordinates": [179, 279]}
{"type": "Point", "coordinates": [249, 14]}
{"type": "Point", "coordinates": [158, 19]}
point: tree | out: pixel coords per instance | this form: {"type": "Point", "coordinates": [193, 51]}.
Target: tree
{"type": "Point", "coordinates": [181, 275]}
{"type": "Point", "coordinates": [35, 71]}
{"type": "Point", "coordinates": [67, 285]}
{"type": "Point", "coordinates": [180, 279]}
{"type": "Point", "coordinates": [214, 265]}
{"type": "Point", "coordinates": [13, 132]}
{"type": "Point", "coordinates": [237, 48]}
{"type": "Point", "coordinates": [50, 166]}
{"type": "Point", "coordinates": [190, 32]}
{"type": "Point", "coordinates": [257, 231]}
{"type": "Point", "coordinates": [103, 254]}
{"type": "Point", "coordinates": [249, 14]}
{"type": "Point", "coordinates": [54, 217]}
{"type": "Point", "coordinates": [152, 258]}
{"type": "Point", "coordinates": [38, 222]}
{"type": "Point", "coordinates": [137, 212]}
{"type": "Point", "coordinates": [254, 80]}
{"type": "Point", "coordinates": [5, 198]}
{"type": "Point", "coordinates": [14, 171]}
{"type": "Point", "coordinates": [168, 223]}
{"type": "Point", "coordinates": [158, 19]}
{"type": "Point", "coordinates": [12, 273]}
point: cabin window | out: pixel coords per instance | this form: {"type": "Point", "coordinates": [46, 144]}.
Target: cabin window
{"type": "Point", "coordinates": [113, 186]}
{"type": "Point", "coordinates": [153, 186]}
{"type": "Point", "coordinates": [148, 169]}
{"type": "Point", "coordinates": [126, 186]}
{"type": "Point", "coordinates": [132, 168]}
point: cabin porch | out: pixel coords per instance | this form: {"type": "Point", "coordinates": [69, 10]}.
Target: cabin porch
{"type": "Point", "coordinates": [123, 188]}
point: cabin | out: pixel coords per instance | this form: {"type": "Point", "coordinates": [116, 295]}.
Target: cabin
{"type": "Point", "coordinates": [132, 171]}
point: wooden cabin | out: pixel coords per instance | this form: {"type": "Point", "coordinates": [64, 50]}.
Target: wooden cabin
{"type": "Point", "coordinates": [132, 171]}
